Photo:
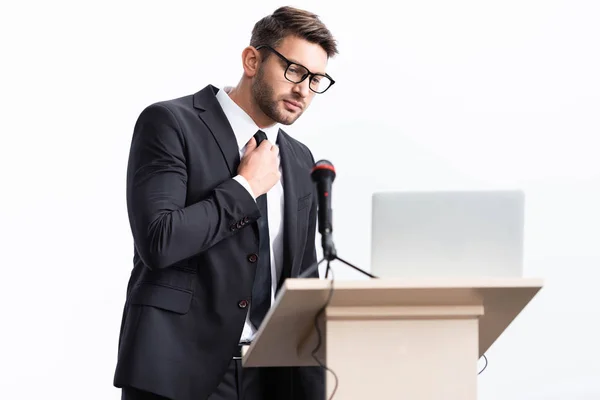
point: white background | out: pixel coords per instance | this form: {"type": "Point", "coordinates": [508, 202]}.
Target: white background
{"type": "Point", "coordinates": [430, 95]}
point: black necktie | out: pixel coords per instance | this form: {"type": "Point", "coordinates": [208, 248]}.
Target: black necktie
{"type": "Point", "coordinates": [261, 291]}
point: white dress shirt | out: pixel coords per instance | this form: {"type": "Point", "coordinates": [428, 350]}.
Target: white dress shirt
{"type": "Point", "coordinates": [244, 128]}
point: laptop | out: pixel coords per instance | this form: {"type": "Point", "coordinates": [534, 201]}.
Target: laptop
{"type": "Point", "coordinates": [441, 234]}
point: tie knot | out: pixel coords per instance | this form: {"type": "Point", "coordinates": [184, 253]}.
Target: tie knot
{"type": "Point", "coordinates": [259, 136]}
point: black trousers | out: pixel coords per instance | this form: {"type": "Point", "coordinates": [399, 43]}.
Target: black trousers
{"type": "Point", "coordinates": [237, 384]}
{"type": "Point", "coordinates": [240, 384]}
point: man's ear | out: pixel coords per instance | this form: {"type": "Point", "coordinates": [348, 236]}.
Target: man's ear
{"type": "Point", "coordinates": [251, 60]}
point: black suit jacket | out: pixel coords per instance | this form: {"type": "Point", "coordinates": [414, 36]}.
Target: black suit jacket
{"type": "Point", "coordinates": [195, 232]}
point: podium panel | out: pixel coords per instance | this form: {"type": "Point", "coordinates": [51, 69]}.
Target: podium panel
{"type": "Point", "coordinates": [390, 338]}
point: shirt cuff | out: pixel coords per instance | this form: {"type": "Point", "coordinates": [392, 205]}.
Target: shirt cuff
{"type": "Point", "coordinates": [242, 181]}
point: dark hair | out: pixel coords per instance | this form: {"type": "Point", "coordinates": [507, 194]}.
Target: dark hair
{"type": "Point", "coordinates": [286, 21]}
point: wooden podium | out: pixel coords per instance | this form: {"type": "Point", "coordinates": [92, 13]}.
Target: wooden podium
{"type": "Point", "coordinates": [412, 339]}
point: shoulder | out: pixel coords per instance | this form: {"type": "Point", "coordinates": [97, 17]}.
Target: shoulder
{"type": "Point", "coordinates": [165, 123]}
{"type": "Point", "coordinates": [173, 109]}
{"type": "Point", "coordinates": [182, 112]}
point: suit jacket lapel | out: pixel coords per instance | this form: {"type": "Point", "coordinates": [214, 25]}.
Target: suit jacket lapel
{"type": "Point", "coordinates": [213, 116]}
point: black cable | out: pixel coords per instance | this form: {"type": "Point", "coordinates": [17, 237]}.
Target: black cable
{"type": "Point", "coordinates": [319, 337]}
{"type": "Point", "coordinates": [485, 366]}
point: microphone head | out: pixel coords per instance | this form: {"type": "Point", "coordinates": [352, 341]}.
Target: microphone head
{"type": "Point", "coordinates": [322, 169]}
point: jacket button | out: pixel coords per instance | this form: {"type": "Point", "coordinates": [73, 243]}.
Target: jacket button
{"type": "Point", "coordinates": [232, 227]}
{"type": "Point", "coordinates": [243, 304]}
{"type": "Point", "coordinates": [252, 258]}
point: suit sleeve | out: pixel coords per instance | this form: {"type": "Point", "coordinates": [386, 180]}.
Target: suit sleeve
{"type": "Point", "coordinates": [164, 230]}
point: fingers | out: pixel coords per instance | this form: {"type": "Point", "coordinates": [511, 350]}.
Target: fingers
{"type": "Point", "coordinates": [251, 145]}
{"type": "Point", "coordinates": [266, 145]}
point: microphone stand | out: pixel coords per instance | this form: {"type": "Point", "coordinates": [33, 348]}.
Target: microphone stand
{"type": "Point", "coordinates": [330, 254]}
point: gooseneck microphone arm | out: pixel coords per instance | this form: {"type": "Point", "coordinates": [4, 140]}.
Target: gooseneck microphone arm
{"type": "Point", "coordinates": [323, 174]}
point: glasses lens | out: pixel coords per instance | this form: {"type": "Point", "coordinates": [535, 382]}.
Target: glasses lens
{"type": "Point", "coordinates": [296, 73]}
{"type": "Point", "coordinates": [320, 83]}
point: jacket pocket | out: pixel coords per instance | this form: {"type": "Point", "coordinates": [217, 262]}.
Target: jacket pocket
{"type": "Point", "coordinates": [167, 298]}
{"type": "Point", "coordinates": [304, 201]}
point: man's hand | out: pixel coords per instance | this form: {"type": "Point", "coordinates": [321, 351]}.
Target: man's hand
{"type": "Point", "coordinates": [260, 166]}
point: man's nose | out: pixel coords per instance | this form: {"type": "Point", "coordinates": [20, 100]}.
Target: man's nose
{"type": "Point", "coordinates": [303, 88]}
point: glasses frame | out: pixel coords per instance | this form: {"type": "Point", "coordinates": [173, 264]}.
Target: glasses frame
{"type": "Point", "coordinates": [290, 63]}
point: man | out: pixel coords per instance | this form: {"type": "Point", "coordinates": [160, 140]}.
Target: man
{"type": "Point", "coordinates": [219, 222]}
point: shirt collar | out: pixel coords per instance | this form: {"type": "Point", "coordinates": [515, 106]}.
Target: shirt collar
{"type": "Point", "coordinates": [243, 126]}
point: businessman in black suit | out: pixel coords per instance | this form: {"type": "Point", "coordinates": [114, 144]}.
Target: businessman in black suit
{"type": "Point", "coordinates": [220, 221]}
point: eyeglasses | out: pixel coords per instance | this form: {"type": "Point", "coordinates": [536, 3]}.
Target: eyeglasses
{"type": "Point", "coordinates": [297, 73]}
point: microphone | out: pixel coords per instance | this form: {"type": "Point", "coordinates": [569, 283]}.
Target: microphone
{"type": "Point", "coordinates": [323, 174]}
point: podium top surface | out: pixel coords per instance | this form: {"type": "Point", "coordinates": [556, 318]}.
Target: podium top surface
{"type": "Point", "coordinates": [292, 317]}
{"type": "Point", "coordinates": [407, 283]}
